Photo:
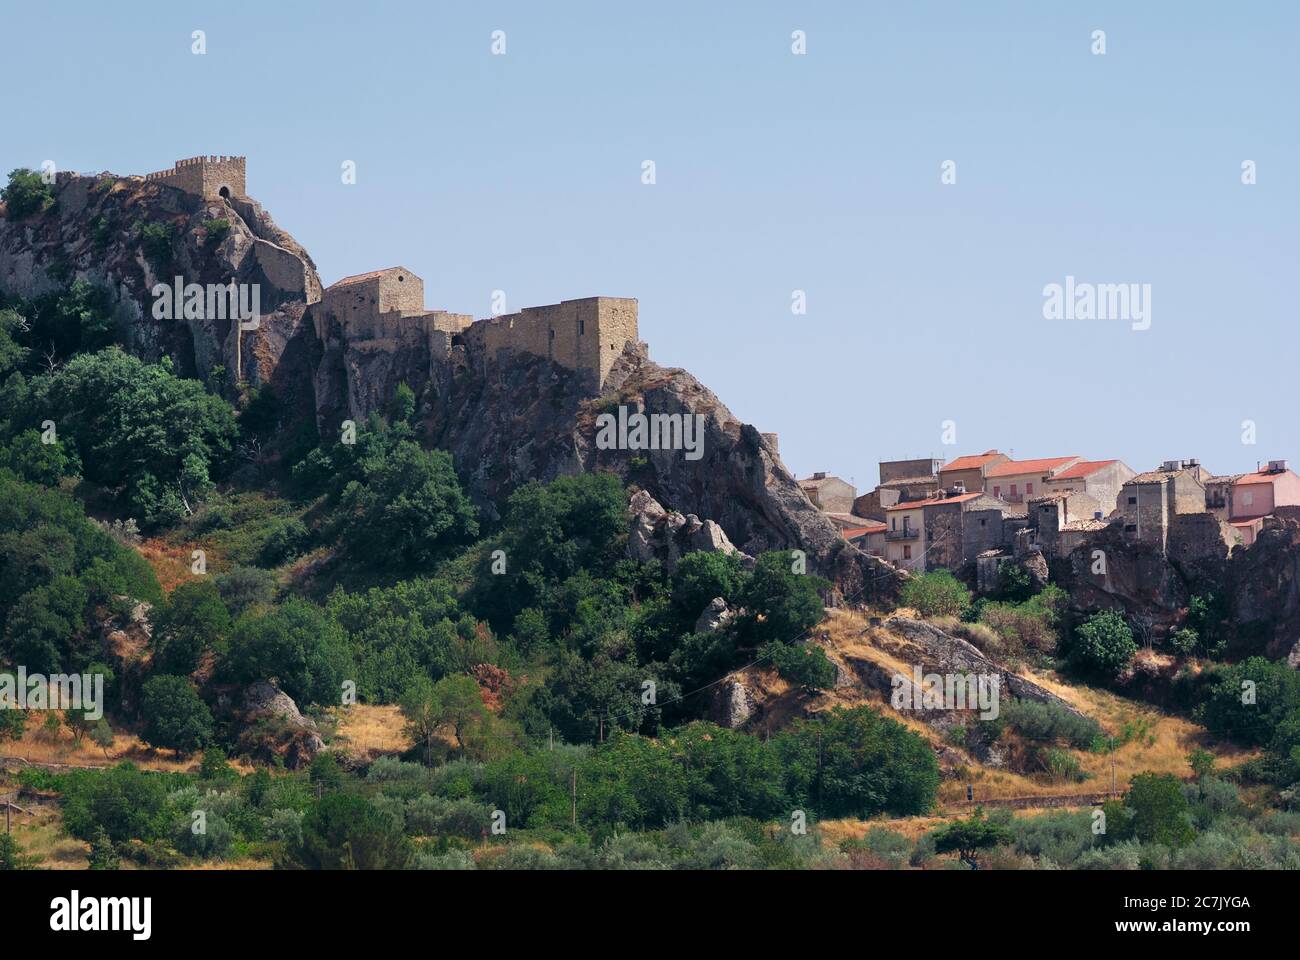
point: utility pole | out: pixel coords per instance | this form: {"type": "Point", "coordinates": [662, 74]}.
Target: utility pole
{"type": "Point", "coordinates": [1112, 767]}
{"type": "Point", "coordinates": [574, 794]}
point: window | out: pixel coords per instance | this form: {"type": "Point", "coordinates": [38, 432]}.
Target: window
{"type": "Point", "coordinates": [1132, 501]}
{"type": "Point", "coordinates": [582, 327]}
{"type": "Point", "coordinates": [1013, 489]}
{"type": "Point", "coordinates": [983, 522]}
{"type": "Point", "coordinates": [552, 334]}
{"type": "Point", "coordinates": [997, 491]}
{"type": "Point", "coordinates": [1247, 498]}
{"type": "Point", "coordinates": [1029, 488]}
{"type": "Point", "coordinates": [1130, 528]}
{"type": "Point", "coordinates": [893, 523]}
{"type": "Point", "coordinates": [907, 551]}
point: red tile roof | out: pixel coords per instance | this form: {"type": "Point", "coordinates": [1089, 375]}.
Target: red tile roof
{"type": "Point", "coordinates": [917, 504]}
{"type": "Point", "coordinates": [1084, 468]}
{"type": "Point", "coordinates": [1260, 476]}
{"type": "Point", "coordinates": [1013, 468]}
{"type": "Point", "coordinates": [970, 462]}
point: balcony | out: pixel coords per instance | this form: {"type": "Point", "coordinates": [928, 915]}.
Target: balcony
{"type": "Point", "coordinates": [907, 533]}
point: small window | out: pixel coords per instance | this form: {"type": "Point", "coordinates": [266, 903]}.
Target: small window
{"type": "Point", "coordinates": [552, 334]}
{"type": "Point", "coordinates": [1029, 488]}
{"type": "Point", "coordinates": [997, 491]}
{"type": "Point", "coordinates": [907, 551]}
{"type": "Point", "coordinates": [1132, 501]}
{"type": "Point", "coordinates": [1247, 498]}
{"type": "Point", "coordinates": [983, 522]}
{"type": "Point", "coordinates": [1130, 528]}
{"type": "Point", "coordinates": [582, 327]}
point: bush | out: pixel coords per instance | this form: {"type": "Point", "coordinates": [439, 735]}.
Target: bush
{"type": "Point", "coordinates": [804, 664]}
{"type": "Point", "coordinates": [27, 193]}
{"type": "Point", "coordinates": [174, 716]}
{"type": "Point", "coordinates": [935, 594]}
{"type": "Point", "coordinates": [1048, 722]}
{"type": "Point", "coordinates": [1103, 644]}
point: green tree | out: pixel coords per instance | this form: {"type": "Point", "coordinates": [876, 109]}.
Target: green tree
{"type": "Point", "coordinates": [935, 594]}
{"type": "Point", "coordinates": [103, 854]}
{"type": "Point", "coordinates": [453, 706]}
{"type": "Point", "coordinates": [1103, 644]}
{"type": "Point", "coordinates": [780, 604]}
{"type": "Point", "coordinates": [345, 831]}
{"type": "Point", "coordinates": [174, 716]}
{"type": "Point", "coordinates": [295, 644]}
{"type": "Point", "coordinates": [805, 664]}
{"type": "Point", "coordinates": [193, 621]}
{"type": "Point", "coordinates": [968, 837]}
{"type": "Point", "coordinates": [1155, 810]}
{"type": "Point", "coordinates": [27, 193]}
{"type": "Point", "coordinates": [13, 723]}
{"type": "Point", "coordinates": [11, 855]}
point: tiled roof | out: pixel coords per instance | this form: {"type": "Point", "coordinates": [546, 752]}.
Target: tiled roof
{"type": "Point", "coordinates": [970, 462]}
{"type": "Point", "coordinates": [1013, 468]}
{"type": "Point", "coordinates": [1261, 476]}
{"type": "Point", "coordinates": [852, 519]}
{"type": "Point", "coordinates": [1084, 468]}
{"type": "Point", "coordinates": [1153, 476]}
{"type": "Point", "coordinates": [815, 482]}
{"type": "Point", "coordinates": [917, 504]}
{"type": "Point", "coordinates": [1085, 525]}
{"type": "Point", "coordinates": [909, 481]}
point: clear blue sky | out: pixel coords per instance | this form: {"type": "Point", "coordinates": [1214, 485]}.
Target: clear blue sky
{"type": "Point", "coordinates": [775, 173]}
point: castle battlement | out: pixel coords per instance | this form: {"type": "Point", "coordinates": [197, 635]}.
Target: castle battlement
{"type": "Point", "coordinates": [585, 335]}
{"type": "Point", "coordinates": [210, 177]}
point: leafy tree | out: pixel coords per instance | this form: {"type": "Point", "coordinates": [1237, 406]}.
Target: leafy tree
{"type": "Point", "coordinates": [103, 854]}
{"type": "Point", "coordinates": [194, 620]}
{"type": "Point", "coordinates": [935, 594]}
{"type": "Point", "coordinates": [137, 429]}
{"type": "Point", "coordinates": [174, 716]}
{"type": "Point", "coordinates": [968, 837]}
{"type": "Point", "coordinates": [1103, 644]}
{"type": "Point", "coordinates": [244, 587]}
{"type": "Point", "coordinates": [30, 458]}
{"type": "Point", "coordinates": [701, 576]}
{"type": "Point", "coordinates": [11, 855]}
{"type": "Point", "coordinates": [1015, 585]}
{"type": "Point", "coordinates": [129, 803]}
{"type": "Point", "coordinates": [856, 763]}
{"type": "Point", "coordinates": [13, 723]}
{"type": "Point", "coordinates": [347, 832]}
{"type": "Point", "coordinates": [1155, 810]}
{"type": "Point", "coordinates": [780, 604]}
{"type": "Point", "coordinates": [802, 663]}
{"type": "Point", "coordinates": [451, 706]}
{"type": "Point", "coordinates": [102, 736]}
{"type": "Point", "coordinates": [407, 506]}
{"type": "Point", "coordinates": [27, 193]}
{"type": "Point", "coordinates": [297, 645]}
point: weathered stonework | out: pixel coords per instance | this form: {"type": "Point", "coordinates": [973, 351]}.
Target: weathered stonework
{"type": "Point", "coordinates": [207, 177]}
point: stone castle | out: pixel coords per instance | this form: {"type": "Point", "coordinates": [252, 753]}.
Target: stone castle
{"type": "Point", "coordinates": [385, 308]}
{"type": "Point", "coordinates": [206, 177]}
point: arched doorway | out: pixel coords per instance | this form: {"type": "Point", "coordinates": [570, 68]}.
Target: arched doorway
{"type": "Point", "coordinates": [224, 192]}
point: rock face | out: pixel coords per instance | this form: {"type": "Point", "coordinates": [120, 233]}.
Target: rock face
{"type": "Point", "coordinates": [716, 616]}
{"type": "Point", "coordinates": [657, 534]}
{"type": "Point", "coordinates": [733, 704]}
{"type": "Point", "coordinates": [289, 734]}
{"type": "Point", "coordinates": [1260, 584]}
{"type": "Point", "coordinates": [94, 233]}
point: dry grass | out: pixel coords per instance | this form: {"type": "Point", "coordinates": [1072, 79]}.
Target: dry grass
{"type": "Point", "coordinates": [170, 561]}
{"type": "Point", "coordinates": [40, 834]}
{"type": "Point", "coordinates": [369, 730]}
{"type": "Point", "coordinates": [37, 747]}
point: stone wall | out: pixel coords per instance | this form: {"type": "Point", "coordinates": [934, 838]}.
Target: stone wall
{"type": "Point", "coordinates": [206, 177]}
{"type": "Point", "coordinates": [905, 469]}
{"type": "Point", "coordinates": [1196, 536]}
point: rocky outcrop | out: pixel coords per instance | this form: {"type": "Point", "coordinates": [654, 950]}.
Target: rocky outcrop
{"type": "Point", "coordinates": [733, 703]}
{"type": "Point", "coordinates": [94, 232]}
{"type": "Point", "coordinates": [658, 534]}
{"type": "Point", "coordinates": [716, 616]}
{"type": "Point", "coordinates": [273, 726]}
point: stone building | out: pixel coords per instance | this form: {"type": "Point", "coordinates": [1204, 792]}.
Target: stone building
{"type": "Point", "coordinates": [1100, 479]}
{"type": "Point", "coordinates": [970, 471]}
{"type": "Point", "coordinates": [829, 494]}
{"type": "Point", "coordinates": [1149, 501]}
{"type": "Point", "coordinates": [206, 177]}
{"type": "Point", "coordinates": [892, 470]}
{"type": "Point", "coordinates": [1017, 481]}
{"type": "Point", "coordinates": [1055, 519]}
{"type": "Point", "coordinates": [943, 532]}
{"type": "Point", "coordinates": [586, 335]}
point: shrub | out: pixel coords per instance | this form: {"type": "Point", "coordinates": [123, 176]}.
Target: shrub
{"type": "Point", "coordinates": [804, 664]}
{"type": "Point", "coordinates": [27, 193]}
{"type": "Point", "coordinates": [174, 716]}
{"type": "Point", "coordinates": [1103, 644]}
{"type": "Point", "coordinates": [935, 594]}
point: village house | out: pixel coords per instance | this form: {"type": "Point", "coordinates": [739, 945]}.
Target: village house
{"type": "Point", "coordinates": [1148, 503]}
{"type": "Point", "coordinates": [1258, 494]}
{"type": "Point", "coordinates": [968, 472]}
{"type": "Point", "coordinates": [945, 531]}
{"type": "Point", "coordinates": [829, 494]}
{"type": "Point", "coordinates": [869, 539]}
{"type": "Point", "coordinates": [1061, 520]}
{"type": "Point", "coordinates": [1100, 479]}
{"type": "Point", "coordinates": [1016, 481]}
{"type": "Point", "coordinates": [900, 481]}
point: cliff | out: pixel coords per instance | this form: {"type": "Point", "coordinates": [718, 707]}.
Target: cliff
{"type": "Point", "coordinates": [96, 232]}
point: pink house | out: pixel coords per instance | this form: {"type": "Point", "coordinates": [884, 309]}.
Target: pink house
{"type": "Point", "coordinates": [1259, 494]}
